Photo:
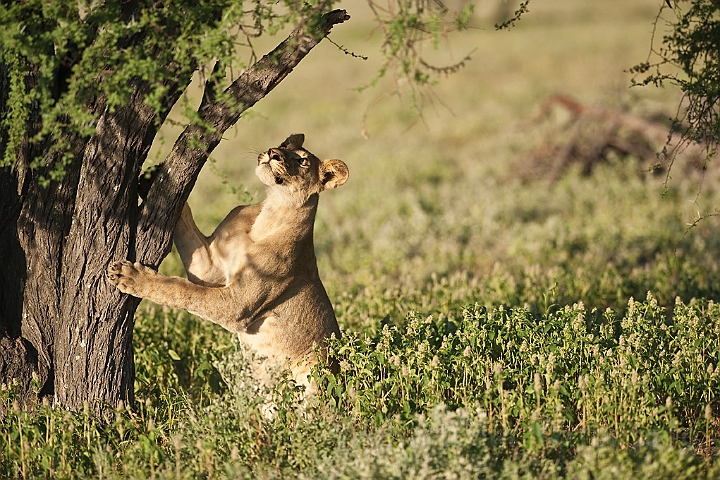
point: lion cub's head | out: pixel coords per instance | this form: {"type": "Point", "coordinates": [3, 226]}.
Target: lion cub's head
{"type": "Point", "coordinates": [297, 174]}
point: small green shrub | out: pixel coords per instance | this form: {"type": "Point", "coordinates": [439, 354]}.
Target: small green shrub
{"type": "Point", "coordinates": [572, 369]}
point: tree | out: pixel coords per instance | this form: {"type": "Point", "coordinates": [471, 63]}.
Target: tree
{"type": "Point", "coordinates": [84, 89]}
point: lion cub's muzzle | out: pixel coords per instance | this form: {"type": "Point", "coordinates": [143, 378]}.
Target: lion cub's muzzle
{"type": "Point", "coordinates": [276, 154]}
{"type": "Point", "coordinates": [275, 159]}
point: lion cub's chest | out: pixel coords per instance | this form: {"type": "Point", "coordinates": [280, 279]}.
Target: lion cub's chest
{"type": "Point", "coordinates": [232, 244]}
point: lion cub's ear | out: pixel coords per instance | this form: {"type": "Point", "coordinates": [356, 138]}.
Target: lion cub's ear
{"type": "Point", "coordinates": [295, 140]}
{"type": "Point", "coordinates": [333, 173]}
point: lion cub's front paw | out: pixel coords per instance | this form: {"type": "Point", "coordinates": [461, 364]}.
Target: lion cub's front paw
{"type": "Point", "coordinates": [130, 277]}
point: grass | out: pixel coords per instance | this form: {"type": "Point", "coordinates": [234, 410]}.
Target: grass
{"type": "Point", "coordinates": [492, 329]}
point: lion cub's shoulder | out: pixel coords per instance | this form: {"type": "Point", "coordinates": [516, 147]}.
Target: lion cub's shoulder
{"type": "Point", "coordinates": [240, 220]}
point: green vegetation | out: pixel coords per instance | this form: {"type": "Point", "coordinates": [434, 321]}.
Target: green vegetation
{"type": "Point", "coordinates": [499, 393]}
{"type": "Point", "coordinates": [492, 329]}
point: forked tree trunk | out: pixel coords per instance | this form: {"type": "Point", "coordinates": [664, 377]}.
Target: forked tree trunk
{"type": "Point", "coordinates": [60, 319]}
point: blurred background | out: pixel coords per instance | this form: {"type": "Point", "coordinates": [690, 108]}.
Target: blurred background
{"type": "Point", "coordinates": [521, 181]}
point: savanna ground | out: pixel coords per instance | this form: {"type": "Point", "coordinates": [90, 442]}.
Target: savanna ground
{"type": "Point", "coordinates": [493, 328]}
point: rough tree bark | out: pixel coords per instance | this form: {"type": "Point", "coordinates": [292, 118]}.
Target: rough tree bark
{"type": "Point", "coordinates": [59, 317]}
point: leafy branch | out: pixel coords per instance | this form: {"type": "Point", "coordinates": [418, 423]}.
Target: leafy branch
{"type": "Point", "coordinates": [407, 27]}
{"type": "Point", "coordinates": [689, 57]}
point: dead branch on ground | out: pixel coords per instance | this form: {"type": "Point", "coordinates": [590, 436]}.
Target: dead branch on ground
{"type": "Point", "coordinates": [594, 134]}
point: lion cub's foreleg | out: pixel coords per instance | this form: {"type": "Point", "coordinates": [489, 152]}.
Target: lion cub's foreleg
{"type": "Point", "coordinates": [212, 303]}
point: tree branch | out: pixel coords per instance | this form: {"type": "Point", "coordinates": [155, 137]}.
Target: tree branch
{"type": "Point", "coordinates": [182, 166]}
{"type": "Point", "coordinates": [268, 72]}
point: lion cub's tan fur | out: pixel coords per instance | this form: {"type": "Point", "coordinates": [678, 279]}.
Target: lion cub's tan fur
{"type": "Point", "coordinates": [256, 275]}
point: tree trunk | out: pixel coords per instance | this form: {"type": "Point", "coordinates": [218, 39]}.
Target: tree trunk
{"type": "Point", "coordinates": [60, 319]}
{"type": "Point", "coordinates": [56, 245]}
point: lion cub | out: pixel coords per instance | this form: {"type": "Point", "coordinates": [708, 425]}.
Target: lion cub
{"type": "Point", "coordinates": [256, 275]}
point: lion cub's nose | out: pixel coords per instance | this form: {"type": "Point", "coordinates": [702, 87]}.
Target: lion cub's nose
{"type": "Point", "coordinates": [275, 154]}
